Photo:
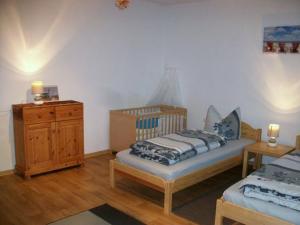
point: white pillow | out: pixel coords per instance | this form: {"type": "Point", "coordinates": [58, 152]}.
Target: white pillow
{"type": "Point", "coordinates": [212, 117]}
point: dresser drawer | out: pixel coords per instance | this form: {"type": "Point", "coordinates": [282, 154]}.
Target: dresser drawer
{"type": "Point", "coordinates": [38, 115]}
{"type": "Point", "coordinates": [69, 112]}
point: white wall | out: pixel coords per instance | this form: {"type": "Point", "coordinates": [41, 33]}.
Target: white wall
{"type": "Point", "coordinates": [216, 46]}
{"type": "Point", "coordinates": [94, 52]}
{"type": "Point", "coordinates": [105, 57]}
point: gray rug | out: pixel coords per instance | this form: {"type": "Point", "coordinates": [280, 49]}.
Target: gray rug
{"type": "Point", "coordinates": [86, 217]}
{"type": "Point", "coordinates": [101, 215]}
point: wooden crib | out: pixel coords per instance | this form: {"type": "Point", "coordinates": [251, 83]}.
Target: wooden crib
{"type": "Point", "coordinates": [134, 124]}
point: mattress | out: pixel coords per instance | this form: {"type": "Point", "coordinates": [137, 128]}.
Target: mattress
{"type": "Point", "coordinates": [231, 149]}
{"type": "Point", "coordinates": [234, 195]}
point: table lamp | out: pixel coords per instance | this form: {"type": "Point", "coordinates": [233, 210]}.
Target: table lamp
{"type": "Point", "coordinates": [273, 133]}
{"type": "Point", "coordinates": [37, 89]}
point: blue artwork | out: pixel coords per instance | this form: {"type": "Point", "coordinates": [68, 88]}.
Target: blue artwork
{"type": "Point", "coordinates": [283, 39]}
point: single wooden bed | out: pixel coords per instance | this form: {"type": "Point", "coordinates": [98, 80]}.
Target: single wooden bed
{"type": "Point", "coordinates": [246, 215]}
{"type": "Point", "coordinates": [169, 187]}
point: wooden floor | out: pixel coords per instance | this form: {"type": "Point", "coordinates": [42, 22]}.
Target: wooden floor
{"type": "Point", "coordinates": [53, 196]}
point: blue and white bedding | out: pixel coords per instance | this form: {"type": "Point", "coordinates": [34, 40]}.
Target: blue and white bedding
{"type": "Point", "coordinates": [173, 148]}
{"type": "Point", "coordinates": [233, 194]}
{"type": "Point", "coordinates": [278, 182]}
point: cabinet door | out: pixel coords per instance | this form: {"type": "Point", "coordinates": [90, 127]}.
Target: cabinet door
{"type": "Point", "coordinates": [70, 141]}
{"type": "Point", "coordinates": [40, 146]}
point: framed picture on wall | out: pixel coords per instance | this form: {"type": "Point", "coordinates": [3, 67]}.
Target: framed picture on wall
{"type": "Point", "coordinates": [282, 39]}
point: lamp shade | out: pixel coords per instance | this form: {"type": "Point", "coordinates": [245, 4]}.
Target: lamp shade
{"type": "Point", "coordinates": [273, 130]}
{"type": "Point", "coordinates": [37, 87]}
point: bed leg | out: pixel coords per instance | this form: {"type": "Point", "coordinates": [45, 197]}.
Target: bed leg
{"type": "Point", "coordinates": [245, 164]}
{"type": "Point", "coordinates": [218, 217]}
{"type": "Point", "coordinates": [168, 198]}
{"type": "Point", "coordinates": [112, 174]}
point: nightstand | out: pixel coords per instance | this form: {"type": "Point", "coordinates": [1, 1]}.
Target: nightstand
{"type": "Point", "coordinates": [260, 149]}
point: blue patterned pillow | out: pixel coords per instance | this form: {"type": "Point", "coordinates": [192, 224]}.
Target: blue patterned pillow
{"type": "Point", "coordinates": [230, 126]}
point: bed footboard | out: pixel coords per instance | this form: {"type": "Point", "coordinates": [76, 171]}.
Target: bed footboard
{"type": "Point", "coordinates": [298, 142]}
{"type": "Point", "coordinates": [147, 179]}
{"type": "Point", "coordinates": [243, 215]}
{"type": "Point", "coordinates": [169, 187]}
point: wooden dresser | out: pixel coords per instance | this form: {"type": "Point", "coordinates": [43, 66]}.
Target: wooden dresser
{"type": "Point", "coordinates": [48, 136]}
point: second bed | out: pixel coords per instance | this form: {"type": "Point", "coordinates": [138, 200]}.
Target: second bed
{"type": "Point", "coordinates": [249, 210]}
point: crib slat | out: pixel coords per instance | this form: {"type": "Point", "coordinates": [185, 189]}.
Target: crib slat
{"type": "Point", "coordinates": [156, 128]}
{"type": "Point", "coordinates": [147, 128]}
{"type": "Point", "coordinates": [184, 121]}
{"type": "Point", "coordinates": [180, 123]}
{"type": "Point", "coordinates": [138, 128]}
{"type": "Point", "coordinates": [160, 125]}
{"type": "Point", "coordinates": [173, 123]}
{"type": "Point", "coordinates": [166, 124]}
{"type": "Point", "coordinates": [143, 128]}
{"type": "Point", "coordinates": [176, 122]}
{"type": "Point", "coordinates": [179, 127]}
{"type": "Point", "coordinates": [170, 123]}
{"type": "Point", "coordinates": [152, 126]}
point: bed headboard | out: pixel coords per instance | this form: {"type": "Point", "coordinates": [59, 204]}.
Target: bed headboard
{"type": "Point", "coordinates": [298, 142]}
{"type": "Point", "coordinates": [248, 131]}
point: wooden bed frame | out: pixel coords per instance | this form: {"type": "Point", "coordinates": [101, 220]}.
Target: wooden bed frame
{"type": "Point", "coordinates": [169, 187]}
{"type": "Point", "coordinates": [245, 215]}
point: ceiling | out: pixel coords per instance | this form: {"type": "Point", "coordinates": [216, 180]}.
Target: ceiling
{"type": "Point", "coordinates": [169, 2]}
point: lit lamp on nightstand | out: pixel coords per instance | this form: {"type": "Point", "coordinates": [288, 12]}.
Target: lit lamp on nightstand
{"type": "Point", "coordinates": [273, 133]}
{"type": "Point", "coordinates": [37, 89]}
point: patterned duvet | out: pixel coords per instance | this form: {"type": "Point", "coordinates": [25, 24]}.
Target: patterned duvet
{"type": "Point", "coordinates": [278, 182]}
{"type": "Point", "coordinates": [173, 148]}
